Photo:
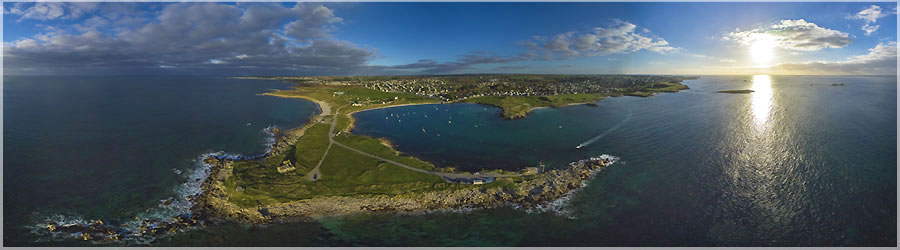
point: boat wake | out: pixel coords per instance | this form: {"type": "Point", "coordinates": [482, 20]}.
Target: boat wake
{"type": "Point", "coordinates": [613, 128]}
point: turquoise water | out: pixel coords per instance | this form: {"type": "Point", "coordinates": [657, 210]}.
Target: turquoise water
{"type": "Point", "coordinates": [113, 147]}
{"type": "Point", "coordinates": [788, 165]}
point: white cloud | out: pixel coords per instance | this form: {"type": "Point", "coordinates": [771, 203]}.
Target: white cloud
{"type": "Point", "coordinates": [727, 60]}
{"type": "Point", "coordinates": [798, 35]}
{"type": "Point", "coordinates": [881, 60]}
{"type": "Point", "coordinates": [618, 38]}
{"type": "Point", "coordinates": [186, 35]}
{"type": "Point", "coordinates": [870, 15]}
{"type": "Point", "coordinates": [44, 11]}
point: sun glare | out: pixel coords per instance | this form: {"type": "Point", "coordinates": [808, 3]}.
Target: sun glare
{"type": "Point", "coordinates": [762, 49]}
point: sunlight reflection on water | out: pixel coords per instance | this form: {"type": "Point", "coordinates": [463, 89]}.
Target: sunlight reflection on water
{"type": "Point", "coordinates": [761, 103]}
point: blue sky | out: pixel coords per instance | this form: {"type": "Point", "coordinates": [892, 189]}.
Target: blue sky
{"type": "Point", "coordinates": [448, 38]}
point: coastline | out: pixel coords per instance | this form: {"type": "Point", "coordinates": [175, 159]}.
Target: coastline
{"type": "Point", "coordinates": [526, 191]}
{"type": "Point", "coordinates": [535, 192]}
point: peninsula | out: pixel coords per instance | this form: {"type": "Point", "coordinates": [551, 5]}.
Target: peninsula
{"type": "Point", "coordinates": [321, 169]}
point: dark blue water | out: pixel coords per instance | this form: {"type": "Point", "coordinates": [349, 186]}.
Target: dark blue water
{"type": "Point", "coordinates": [112, 147]}
{"type": "Point", "coordinates": [790, 164]}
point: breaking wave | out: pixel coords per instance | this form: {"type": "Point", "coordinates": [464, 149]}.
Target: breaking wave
{"type": "Point", "coordinates": [166, 209]}
{"type": "Point", "coordinates": [563, 205]}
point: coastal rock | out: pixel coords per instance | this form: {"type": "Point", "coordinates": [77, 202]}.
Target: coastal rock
{"type": "Point", "coordinates": [528, 193]}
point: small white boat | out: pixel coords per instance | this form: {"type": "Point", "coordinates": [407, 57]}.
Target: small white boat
{"type": "Point", "coordinates": [579, 146]}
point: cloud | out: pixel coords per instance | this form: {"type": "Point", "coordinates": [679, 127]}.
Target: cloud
{"type": "Point", "coordinates": [797, 35]}
{"type": "Point", "coordinates": [246, 38]}
{"type": "Point", "coordinates": [45, 11]}
{"type": "Point", "coordinates": [881, 60]}
{"type": "Point", "coordinates": [870, 15]}
{"type": "Point", "coordinates": [618, 38]}
{"type": "Point", "coordinates": [463, 62]}
{"type": "Point", "coordinates": [727, 60]}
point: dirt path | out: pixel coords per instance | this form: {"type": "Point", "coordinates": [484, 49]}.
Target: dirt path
{"type": "Point", "coordinates": [315, 174]}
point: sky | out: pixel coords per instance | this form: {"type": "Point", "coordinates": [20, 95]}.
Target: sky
{"type": "Point", "coordinates": [699, 38]}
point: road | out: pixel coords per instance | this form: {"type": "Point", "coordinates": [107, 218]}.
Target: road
{"type": "Point", "coordinates": [315, 174]}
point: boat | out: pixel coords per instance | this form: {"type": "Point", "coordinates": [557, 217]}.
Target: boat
{"type": "Point", "coordinates": [579, 146]}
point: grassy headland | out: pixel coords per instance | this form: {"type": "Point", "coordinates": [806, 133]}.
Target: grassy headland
{"type": "Point", "coordinates": [329, 161]}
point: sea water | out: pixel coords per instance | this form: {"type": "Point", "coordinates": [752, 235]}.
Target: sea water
{"type": "Point", "coordinates": [798, 162]}
{"type": "Point", "coordinates": [85, 148]}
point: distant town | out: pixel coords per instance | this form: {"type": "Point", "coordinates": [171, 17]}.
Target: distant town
{"type": "Point", "coordinates": [451, 88]}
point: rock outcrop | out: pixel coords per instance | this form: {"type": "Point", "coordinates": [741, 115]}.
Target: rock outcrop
{"type": "Point", "coordinates": [528, 192]}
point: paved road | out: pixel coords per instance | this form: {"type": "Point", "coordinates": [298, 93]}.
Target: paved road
{"type": "Point", "coordinates": [318, 175]}
{"type": "Point", "coordinates": [441, 174]}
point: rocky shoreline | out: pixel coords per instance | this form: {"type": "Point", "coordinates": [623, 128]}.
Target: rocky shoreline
{"type": "Point", "coordinates": [211, 204]}
{"type": "Point", "coordinates": [527, 193]}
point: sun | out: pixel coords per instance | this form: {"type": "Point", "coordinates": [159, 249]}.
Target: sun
{"type": "Point", "coordinates": [763, 49]}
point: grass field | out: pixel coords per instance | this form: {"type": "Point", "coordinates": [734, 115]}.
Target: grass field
{"type": "Point", "coordinates": [375, 147]}
{"type": "Point", "coordinates": [519, 106]}
{"type": "Point", "coordinates": [343, 172]}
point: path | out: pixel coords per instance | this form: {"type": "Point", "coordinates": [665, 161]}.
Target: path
{"type": "Point", "coordinates": [441, 174]}
{"type": "Point", "coordinates": [315, 174]}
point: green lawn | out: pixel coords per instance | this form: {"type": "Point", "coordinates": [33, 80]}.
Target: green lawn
{"type": "Point", "coordinates": [519, 106]}
{"type": "Point", "coordinates": [375, 147]}
{"type": "Point", "coordinates": [311, 146]}
{"type": "Point", "coordinates": [344, 173]}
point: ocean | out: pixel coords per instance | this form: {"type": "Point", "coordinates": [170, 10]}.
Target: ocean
{"type": "Point", "coordinates": [798, 162]}
{"type": "Point", "coordinates": [84, 148]}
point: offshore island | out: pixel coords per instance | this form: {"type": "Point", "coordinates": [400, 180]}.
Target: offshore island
{"type": "Point", "coordinates": [321, 169]}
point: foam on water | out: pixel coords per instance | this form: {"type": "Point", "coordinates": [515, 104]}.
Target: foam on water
{"type": "Point", "coordinates": [179, 204]}
{"type": "Point", "coordinates": [563, 205]}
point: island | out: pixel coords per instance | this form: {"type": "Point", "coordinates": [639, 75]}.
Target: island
{"type": "Point", "coordinates": [321, 169]}
{"type": "Point", "coordinates": [736, 91]}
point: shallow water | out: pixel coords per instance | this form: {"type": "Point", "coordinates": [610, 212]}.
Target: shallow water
{"type": "Point", "coordinates": [788, 165]}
